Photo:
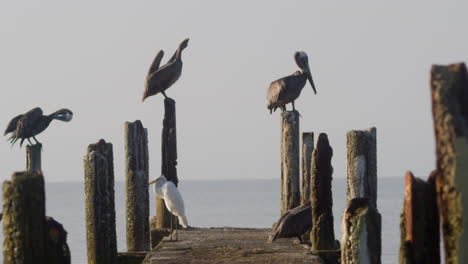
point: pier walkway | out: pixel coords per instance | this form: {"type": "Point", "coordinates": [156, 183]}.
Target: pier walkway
{"type": "Point", "coordinates": [229, 245]}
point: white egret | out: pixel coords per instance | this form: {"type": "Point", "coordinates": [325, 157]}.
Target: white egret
{"type": "Point", "coordinates": [172, 198]}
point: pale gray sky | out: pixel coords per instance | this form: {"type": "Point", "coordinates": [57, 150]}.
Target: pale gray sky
{"type": "Point", "coordinates": [370, 61]}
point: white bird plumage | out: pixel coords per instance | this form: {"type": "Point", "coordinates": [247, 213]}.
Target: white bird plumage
{"type": "Point", "coordinates": [172, 198]}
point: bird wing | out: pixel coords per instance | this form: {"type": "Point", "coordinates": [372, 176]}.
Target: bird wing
{"type": "Point", "coordinates": [173, 199]}
{"type": "Point", "coordinates": [12, 125]}
{"type": "Point", "coordinates": [275, 92]}
{"type": "Point", "coordinates": [172, 59]}
{"type": "Point", "coordinates": [156, 62]}
{"type": "Point", "coordinates": [294, 222]}
{"type": "Point", "coordinates": [27, 122]}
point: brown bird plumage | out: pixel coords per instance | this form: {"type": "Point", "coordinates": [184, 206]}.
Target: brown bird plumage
{"type": "Point", "coordinates": [293, 223]}
{"type": "Point", "coordinates": [287, 89]}
{"type": "Point", "coordinates": [159, 79]}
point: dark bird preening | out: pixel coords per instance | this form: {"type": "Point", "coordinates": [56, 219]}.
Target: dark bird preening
{"type": "Point", "coordinates": [287, 89]}
{"type": "Point", "coordinates": [29, 125]}
{"type": "Point", "coordinates": [293, 223]}
{"type": "Point", "coordinates": [159, 79]}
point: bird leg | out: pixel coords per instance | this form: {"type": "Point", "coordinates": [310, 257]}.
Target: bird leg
{"type": "Point", "coordinates": [283, 108]}
{"type": "Point", "coordinates": [294, 109]}
{"type": "Point", "coordinates": [172, 229]}
{"type": "Point", "coordinates": [29, 140]}
{"type": "Point", "coordinates": [177, 229]}
{"type": "Point", "coordinates": [164, 93]}
{"type": "Point", "coordinates": [300, 239]}
{"type": "Point", "coordinates": [37, 142]}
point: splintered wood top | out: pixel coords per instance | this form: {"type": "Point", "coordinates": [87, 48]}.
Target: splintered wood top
{"type": "Point", "coordinates": [229, 245]}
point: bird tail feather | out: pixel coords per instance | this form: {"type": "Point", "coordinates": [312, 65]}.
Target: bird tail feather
{"type": "Point", "coordinates": [183, 221]}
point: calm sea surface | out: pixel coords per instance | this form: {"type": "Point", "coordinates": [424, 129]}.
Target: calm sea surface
{"type": "Point", "coordinates": [234, 203]}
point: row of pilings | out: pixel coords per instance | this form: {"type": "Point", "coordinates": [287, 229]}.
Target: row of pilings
{"type": "Point", "coordinates": [440, 203]}
{"type": "Point", "coordinates": [361, 219]}
{"type": "Point", "coordinates": [31, 237]}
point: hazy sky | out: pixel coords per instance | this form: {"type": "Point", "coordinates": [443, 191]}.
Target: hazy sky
{"type": "Point", "coordinates": [370, 61]}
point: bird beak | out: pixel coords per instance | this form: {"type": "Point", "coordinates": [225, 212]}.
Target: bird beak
{"type": "Point", "coordinates": [151, 182]}
{"type": "Point", "coordinates": [309, 76]}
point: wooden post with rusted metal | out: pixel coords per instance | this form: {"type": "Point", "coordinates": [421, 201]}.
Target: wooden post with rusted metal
{"type": "Point", "coordinates": [33, 157]}
{"type": "Point", "coordinates": [168, 160]}
{"type": "Point", "coordinates": [362, 165]}
{"type": "Point", "coordinates": [449, 88]}
{"type": "Point", "coordinates": [307, 149]}
{"type": "Point", "coordinates": [100, 204]}
{"type": "Point", "coordinates": [420, 222]}
{"type": "Point", "coordinates": [362, 237]}
{"type": "Point", "coordinates": [24, 225]}
{"type": "Point", "coordinates": [290, 196]}
{"type": "Point", "coordinates": [137, 189]}
{"type": "Point", "coordinates": [322, 235]}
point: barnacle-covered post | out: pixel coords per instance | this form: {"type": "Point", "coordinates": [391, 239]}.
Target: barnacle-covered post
{"type": "Point", "coordinates": [420, 236]}
{"type": "Point", "coordinates": [33, 157]}
{"type": "Point", "coordinates": [290, 192]}
{"type": "Point", "coordinates": [322, 234]}
{"type": "Point", "coordinates": [136, 184]}
{"type": "Point", "coordinates": [307, 149]}
{"type": "Point", "coordinates": [449, 88]}
{"type": "Point", "coordinates": [24, 222]}
{"type": "Point", "coordinates": [168, 160]}
{"type": "Point", "coordinates": [100, 205]}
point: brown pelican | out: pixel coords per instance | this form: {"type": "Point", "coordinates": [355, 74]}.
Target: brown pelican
{"type": "Point", "coordinates": [293, 223]}
{"type": "Point", "coordinates": [32, 123]}
{"type": "Point", "coordinates": [288, 89]}
{"type": "Point", "coordinates": [159, 79]}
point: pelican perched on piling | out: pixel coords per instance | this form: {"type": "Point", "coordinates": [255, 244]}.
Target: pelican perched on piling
{"type": "Point", "coordinates": [159, 79]}
{"type": "Point", "coordinates": [29, 125]}
{"type": "Point", "coordinates": [287, 89]}
{"type": "Point", "coordinates": [172, 198]}
{"type": "Point", "coordinates": [293, 223]}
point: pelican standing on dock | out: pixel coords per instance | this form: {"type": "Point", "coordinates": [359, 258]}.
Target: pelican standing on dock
{"type": "Point", "coordinates": [172, 198]}
{"type": "Point", "coordinates": [159, 79]}
{"type": "Point", "coordinates": [287, 89]}
{"type": "Point", "coordinates": [32, 123]}
{"type": "Point", "coordinates": [293, 223]}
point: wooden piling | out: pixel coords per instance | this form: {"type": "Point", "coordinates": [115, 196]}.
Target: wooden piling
{"type": "Point", "coordinates": [322, 235]}
{"type": "Point", "coordinates": [362, 165]}
{"type": "Point", "coordinates": [307, 149]}
{"type": "Point", "coordinates": [33, 157]}
{"type": "Point", "coordinates": [57, 249]}
{"type": "Point", "coordinates": [361, 233]}
{"type": "Point", "coordinates": [100, 206]}
{"type": "Point", "coordinates": [168, 160]}
{"type": "Point", "coordinates": [449, 87]}
{"type": "Point", "coordinates": [24, 226]}
{"type": "Point", "coordinates": [419, 222]}
{"type": "Point", "coordinates": [290, 196]}
{"type": "Point", "coordinates": [137, 188]}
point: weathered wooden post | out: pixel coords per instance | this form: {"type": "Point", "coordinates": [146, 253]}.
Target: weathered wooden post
{"type": "Point", "coordinates": [33, 157]}
{"type": "Point", "coordinates": [362, 165]}
{"type": "Point", "coordinates": [136, 183]}
{"type": "Point", "coordinates": [322, 235]}
{"type": "Point", "coordinates": [290, 196]}
{"type": "Point", "coordinates": [24, 225]}
{"type": "Point", "coordinates": [419, 222]}
{"type": "Point", "coordinates": [168, 160]}
{"type": "Point", "coordinates": [361, 233]}
{"type": "Point", "coordinates": [100, 206]}
{"type": "Point", "coordinates": [449, 86]}
{"type": "Point", "coordinates": [307, 149]}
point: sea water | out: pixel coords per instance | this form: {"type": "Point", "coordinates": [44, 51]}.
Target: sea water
{"type": "Point", "coordinates": [216, 203]}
